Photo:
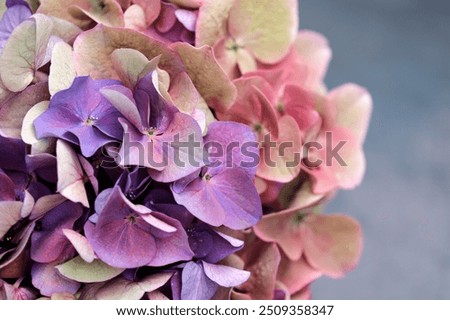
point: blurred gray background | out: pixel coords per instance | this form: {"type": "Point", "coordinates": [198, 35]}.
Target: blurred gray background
{"type": "Point", "coordinates": [400, 51]}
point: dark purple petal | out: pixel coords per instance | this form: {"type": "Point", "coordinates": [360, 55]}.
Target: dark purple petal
{"type": "Point", "coordinates": [44, 165]}
{"type": "Point", "coordinates": [134, 183]}
{"type": "Point", "coordinates": [12, 156]}
{"type": "Point", "coordinates": [162, 200]}
{"type": "Point", "coordinates": [209, 245]}
{"type": "Point", "coordinates": [50, 244]}
{"type": "Point", "coordinates": [7, 188]}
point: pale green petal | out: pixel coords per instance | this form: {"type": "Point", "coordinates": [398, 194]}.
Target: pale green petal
{"type": "Point", "coordinates": [267, 28]}
{"type": "Point", "coordinates": [79, 270]}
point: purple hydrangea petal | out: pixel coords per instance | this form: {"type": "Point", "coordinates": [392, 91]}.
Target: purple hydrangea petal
{"type": "Point", "coordinates": [231, 197]}
{"type": "Point", "coordinates": [133, 183]}
{"type": "Point", "coordinates": [7, 188]}
{"type": "Point", "coordinates": [44, 165]}
{"type": "Point", "coordinates": [210, 245]}
{"type": "Point", "coordinates": [48, 280]}
{"type": "Point", "coordinates": [12, 156]}
{"type": "Point", "coordinates": [171, 247]}
{"type": "Point", "coordinates": [12, 17]}
{"type": "Point", "coordinates": [121, 238]}
{"type": "Point", "coordinates": [50, 244]}
{"type": "Point", "coordinates": [81, 111]}
{"type": "Point", "coordinates": [195, 284]}
{"type": "Point", "coordinates": [11, 3]}
{"type": "Point", "coordinates": [225, 276]}
{"type": "Point", "coordinates": [156, 133]}
{"type": "Point", "coordinates": [162, 200]}
{"type": "Point", "coordinates": [238, 143]}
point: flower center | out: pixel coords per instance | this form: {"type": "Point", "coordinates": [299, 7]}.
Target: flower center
{"type": "Point", "coordinates": [151, 131]}
{"type": "Point", "coordinates": [131, 218]}
{"type": "Point", "coordinates": [257, 127]}
{"type": "Point", "coordinates": [90, 121]}
{"type": "Point", "coordinates": [299, 217]}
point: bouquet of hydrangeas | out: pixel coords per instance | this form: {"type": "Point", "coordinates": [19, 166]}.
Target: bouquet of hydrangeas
{"type": "Point", "coordinates": [171, 149]}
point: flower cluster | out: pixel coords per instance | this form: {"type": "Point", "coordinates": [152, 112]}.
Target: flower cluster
{"type": "Point", "coordinates": [172, 149]}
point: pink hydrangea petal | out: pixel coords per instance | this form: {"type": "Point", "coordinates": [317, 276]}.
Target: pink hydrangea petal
{"type": "Point", "coordinates": [284, 229]}
{"type": "Point", "coordinates": [332, 243]}
{"type": "Point", "coordinates": [80, 244]}
{"type": "Point", "coordinates": [131, 65]}
{"type": "Point", "coordinates": [315, 52]}
{"type": "Point", "coordinates": [190, 4]}
{"type": "Point", "coordinates": [187, 18]}
{"type": "Point", "coordinates": [296, 275]}
{"type": "Point", "coordinates": [354, 107]}
{"type": "Point", "coordinates": [106, 12]}
{"type": "Point", "coordinates": [13, 111]}
{"type": "Point", "coordinates": [151, 8]}
{"type": "Point", "coordinates": [212, 22]}
{"type": "Point", "coordinates": [262, 262]}
{"type": "Point", "coordinates": [253, 105]}
{"type": "Point", "coordinates": [70, 174]}
{"type": "Point", "coordinates": [94, 47]}
{"type": "Point", "coordinates": [134, 17]}
{"type": "Point", "coordinates": [300, 103]}
{"type": "Point", "coordinates": [209, 79]}
{"type": "Point", "coordinates": [226, 58]}
{"type": "Point", "coordinates": [282, 164]}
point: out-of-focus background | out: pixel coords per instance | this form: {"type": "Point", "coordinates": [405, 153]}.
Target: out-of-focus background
{"type": "Point", "coordinates": [400, 51]}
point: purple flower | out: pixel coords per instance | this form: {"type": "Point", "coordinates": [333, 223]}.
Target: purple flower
{"type": "Point", "coordinates": [223, 192]}
{"type": "Point", "coordinates": [156, 133]}
{"type": "Point", "coordinates": [17, 12]}
{"type": "Point", "coordinates": [81, 115]}
{"type": "Point", "coordinates": [130, 236]}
